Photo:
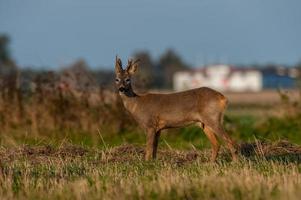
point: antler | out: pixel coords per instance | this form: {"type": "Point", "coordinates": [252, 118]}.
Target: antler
{"type": "Point", "coordinates": [136, 61]}
{"type": "Point", "coordinates": [118, 64]}
{"type": "Point", "coordinates": [132, 66]}
{"type": "Point", "coordinates": [131, 62]}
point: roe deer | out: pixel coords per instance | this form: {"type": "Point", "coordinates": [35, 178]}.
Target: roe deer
{"type": "Point", "coordinates": [155, 112]}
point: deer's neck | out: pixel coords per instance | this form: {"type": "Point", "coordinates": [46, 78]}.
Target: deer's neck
{"type": "Point", "coordinates": [129, 99]}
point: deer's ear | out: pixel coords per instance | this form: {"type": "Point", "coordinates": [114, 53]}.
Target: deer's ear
{"type": "Point", "coordinates": [132, 66]}
{"type": "Point", "coordinates": [118, 65]}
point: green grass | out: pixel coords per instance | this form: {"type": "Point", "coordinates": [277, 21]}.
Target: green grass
{"type": "Point", "coordinates": [241, 128]}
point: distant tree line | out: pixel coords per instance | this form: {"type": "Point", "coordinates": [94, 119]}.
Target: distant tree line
{"type": "Point", "coordinates": [158, 74]}
{"type": "Point", "coordinates": [152, 73]}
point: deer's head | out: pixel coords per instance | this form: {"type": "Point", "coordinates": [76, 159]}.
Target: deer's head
{"type": "Point", "coordinates": [123, 76]}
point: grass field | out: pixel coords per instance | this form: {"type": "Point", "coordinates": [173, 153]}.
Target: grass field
{"type": "Point", "coordinates": [63, 149]}
{"type": "Point", "coordinates": [265, 171]}
{"type": "Point", "coordinates": [70, 164]}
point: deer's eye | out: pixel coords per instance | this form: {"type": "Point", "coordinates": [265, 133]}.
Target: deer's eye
{"type": "Point", "coordinates": [117, 79]}
{"type": "Point", "coordinates": [127, 80]}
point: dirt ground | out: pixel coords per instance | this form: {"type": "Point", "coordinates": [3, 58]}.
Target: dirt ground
{"type": "Point", "coordinates": [281, 150]}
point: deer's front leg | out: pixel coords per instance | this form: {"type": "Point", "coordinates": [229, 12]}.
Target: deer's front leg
{"type": "Point", "coordinates": [152, 139]}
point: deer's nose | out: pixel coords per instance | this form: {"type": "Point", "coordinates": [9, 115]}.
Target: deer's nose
{"type": "Point", "coordinates": [121, 89]}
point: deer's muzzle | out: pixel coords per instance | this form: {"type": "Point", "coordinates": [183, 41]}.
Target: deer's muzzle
{"type": "Point", "coordinates": [121, 89]}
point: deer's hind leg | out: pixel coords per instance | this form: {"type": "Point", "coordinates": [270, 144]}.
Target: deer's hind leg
{"type": "Point", "coordinates": [213, 140]}
{"type": "Point", "coordinates": [218, 129]}
{"type": "Point", "coordinates": [229, 142]}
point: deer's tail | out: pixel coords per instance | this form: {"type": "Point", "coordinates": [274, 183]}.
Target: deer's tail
{"type": "Point", "coordinates": [223, 105]}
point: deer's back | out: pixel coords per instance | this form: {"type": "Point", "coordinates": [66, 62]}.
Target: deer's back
{"type": "Point", "coordinates": [195, 97]}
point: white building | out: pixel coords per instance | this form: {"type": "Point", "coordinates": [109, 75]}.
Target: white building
{"type": "Point", "coordinates": [221, 78]}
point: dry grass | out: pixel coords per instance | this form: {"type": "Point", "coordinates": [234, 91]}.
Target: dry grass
{"type": "Point", "coordinates": [59, 101]}
{"type": "Point", "coordinates": [74, 172]}
{"type": "Point", "coordinates": [52, 114]}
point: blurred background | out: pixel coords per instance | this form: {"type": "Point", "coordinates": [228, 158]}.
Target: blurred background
{"type": "Point", "coordinates": [57, 60]}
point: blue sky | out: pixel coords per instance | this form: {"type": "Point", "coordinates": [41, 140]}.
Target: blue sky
{"type": "Point", "coordinates": [54, 33]}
